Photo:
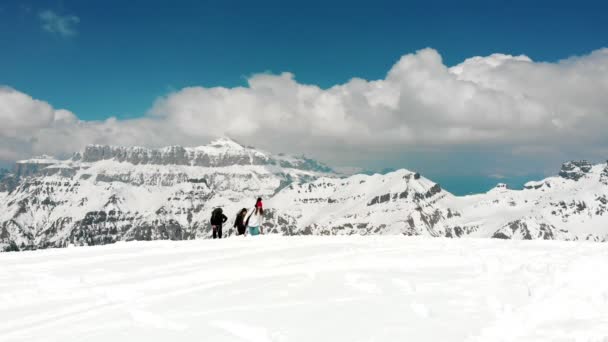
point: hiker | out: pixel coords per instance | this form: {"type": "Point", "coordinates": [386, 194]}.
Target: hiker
{"type": "Point", "coordinates": [239, 222]}
{"type": "Point", "coordinates": [217, 220]}
{"type": "Point", "coordinates": [254, 220]}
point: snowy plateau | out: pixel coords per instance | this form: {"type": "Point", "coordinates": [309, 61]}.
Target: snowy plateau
{"type": "Point", "coordinates": [308, 288]}
{"type": "Point", "coordinates": [106, 194]}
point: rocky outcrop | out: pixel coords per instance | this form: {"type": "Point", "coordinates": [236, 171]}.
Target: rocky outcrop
{"type": "Point", "coordinates": [522, 230]}
{"type": "Point", "coordinates": [434, 190]}
{"type": "Point", "coordinates": [101, 227]}
{"type": "Point", "coordinates": [33, 167]}
{"type": "Point", "coordinates": [501, 186]}
{"type": "Point", "coordinates": [537, 185]}
{"type": "Point", "coordinates": [460, 231]}
{"type": "Point", "coordinates": [8, 181]}
{"type": "Point", "coordinates": [604, 175]}
{"type": "Point", "coordinates": [575, 170]}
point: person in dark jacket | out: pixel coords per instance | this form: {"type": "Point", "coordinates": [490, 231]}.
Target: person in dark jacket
{"type": "Point", "coordinates": [217, 220]}
{"type": "Point", "coordinates": [239, 222]}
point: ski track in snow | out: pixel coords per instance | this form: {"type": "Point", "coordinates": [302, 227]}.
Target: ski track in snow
{"type": "Point", "coordinates": [271, 288]}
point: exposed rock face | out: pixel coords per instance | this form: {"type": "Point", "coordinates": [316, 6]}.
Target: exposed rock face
{"type": "Point", "coordinates": [501, 186]}
{"type": "Point", "coordinates": [604, 175]}
{"type": "Point", "coordinates": [575, 169]}
{"type": "Point", "coordinates": [8, 183]}
{"type": "Point", "coordinates": [458, 231]}
{"type": "Point", "coordinates": [521, 230]}
{"type": "Point", "coordinates": [537, 185]}
{"type": "Point", "coordinates": [33, 166]}
{"type": "Point", "coordinates": [220, 153]}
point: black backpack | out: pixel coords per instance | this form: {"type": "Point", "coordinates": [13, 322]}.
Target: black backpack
{"type": "Point", "coordinates": [216, 216]}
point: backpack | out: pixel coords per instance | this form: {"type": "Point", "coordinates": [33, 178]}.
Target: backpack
{"type": "Point", "coordinates": [239, 221]}
{"type": "Point", "coordinates": [216, 216]}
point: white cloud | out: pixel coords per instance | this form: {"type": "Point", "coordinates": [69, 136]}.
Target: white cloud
{"type": "Point", "coordinates": [495, 103]}
{"type": "Point", "coordinates": [498, 99]}
{"type": "Point", "coordinates": [23, 120]}
{"type": "Point", "coordinates": [63, 25]}
{"type": "Point", "coordinates": [20, 112]}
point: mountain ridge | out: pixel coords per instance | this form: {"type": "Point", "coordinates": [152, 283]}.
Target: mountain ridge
{"type": "Point", "coordinates": [108, 193]}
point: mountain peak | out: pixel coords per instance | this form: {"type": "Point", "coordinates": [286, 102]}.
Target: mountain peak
{"type": "Point", "coordinates": [226, 142]}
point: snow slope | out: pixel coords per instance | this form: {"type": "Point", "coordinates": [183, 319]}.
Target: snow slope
{"type": "Point", "coordinates": [273, 288]}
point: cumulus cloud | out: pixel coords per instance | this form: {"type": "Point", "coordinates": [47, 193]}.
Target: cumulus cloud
{"type": "Point", "coordinates": [23, 119]}
{"type": "Point", "coordinates": [21, 113]}
{"type": "Point", "coordinates": [494, 103]}
{"type": "Point", "coordinates": [499, 99]}
{"type": "Point", "coordinates": [63, 25]}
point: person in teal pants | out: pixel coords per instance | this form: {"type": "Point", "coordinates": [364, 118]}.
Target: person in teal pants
{"type": "Point", "coordinates": [255, 219]}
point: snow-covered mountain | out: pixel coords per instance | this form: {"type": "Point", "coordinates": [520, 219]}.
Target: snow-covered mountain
{"type": "Point", "coordinates": [571, 206]}
{"type": "Point", "coordinates": [105, 194]}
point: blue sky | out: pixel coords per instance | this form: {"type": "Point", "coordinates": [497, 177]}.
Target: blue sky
{"type": "Point", "coordinates": [127, 53]}
{"type": "Point", "coordinates": [101, 59]}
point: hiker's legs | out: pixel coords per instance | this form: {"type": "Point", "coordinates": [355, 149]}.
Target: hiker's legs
{"type": "Point", "coordinates": [214, 228]}
{"type": "Point", "coordinates": [254, 231]}
{"type": "Point", "coordinates": [219, 231]}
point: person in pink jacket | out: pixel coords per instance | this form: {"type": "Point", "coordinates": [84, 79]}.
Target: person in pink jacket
{"type": "Point", "coordinates": [255, 219]}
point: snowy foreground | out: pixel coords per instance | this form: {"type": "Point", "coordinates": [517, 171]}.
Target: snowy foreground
{"type": "Point", "coordinates": [373, 288]}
